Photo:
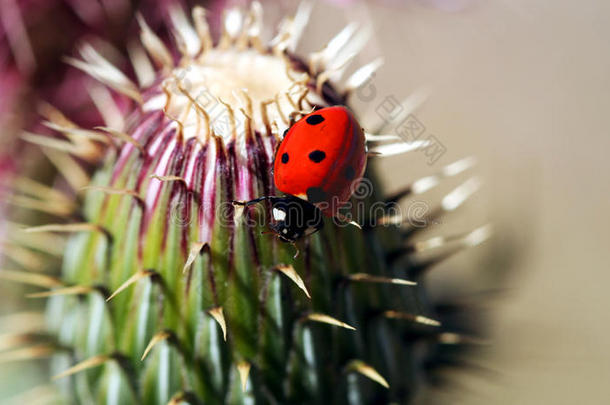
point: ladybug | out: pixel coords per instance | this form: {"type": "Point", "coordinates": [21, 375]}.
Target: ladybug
{"type": "Point", "coordinates": [318, 164]}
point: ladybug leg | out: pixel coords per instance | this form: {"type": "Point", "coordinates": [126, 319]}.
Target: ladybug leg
{"type": "Point", "coordinates": [345, 219]}
{"type": "Point", "coordinates": [296, 248]}
{"type": "Point", "coordinates": [293, 243]}
{"type": "Point", "coordinates": [293, 115]}
{"type": "Point", "coordinates": [369, 152]}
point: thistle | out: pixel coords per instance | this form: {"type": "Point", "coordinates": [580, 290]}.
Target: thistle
{"type": "Point", "coordinates": [170, 293]}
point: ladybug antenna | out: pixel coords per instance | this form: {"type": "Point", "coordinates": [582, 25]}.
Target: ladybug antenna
{"type": "Point", "coordinates": [251, 202]}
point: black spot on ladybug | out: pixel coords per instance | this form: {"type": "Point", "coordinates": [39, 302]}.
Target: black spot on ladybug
{"type": "Point", "coordinates": [317, 156]}
{"type": "Point", "coordinates": [315, 195]}
{"type": "Point", "coordinates": [285, 132]}
{"type": "Point", "coordinates": [314, 119]}
{"type": "Point", "coordinates": [285, 157]}
{"type": "Point", "coordinates": [349, 173]}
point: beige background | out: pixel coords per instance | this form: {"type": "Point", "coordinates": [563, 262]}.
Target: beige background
{"type": "Point", "coordinates": [523, 85]}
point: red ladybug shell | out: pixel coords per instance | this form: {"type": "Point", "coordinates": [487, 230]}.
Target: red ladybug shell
{"type": "Point", "coordinates": [322, 158]}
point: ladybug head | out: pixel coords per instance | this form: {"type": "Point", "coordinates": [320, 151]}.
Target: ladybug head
{"type": "Point", "coordinates": [294, 218]}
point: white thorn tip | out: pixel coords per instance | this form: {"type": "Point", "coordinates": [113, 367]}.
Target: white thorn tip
{"type": "Point", "coordinates": [82, 366]}
{"type": "Point", "coordinates": [153, 45]}
{"type": "Point", "coordinates": [378, 138]}
{"type": "Point", "coordinates": [291, 273]}
{"type": "Point", "coordinates": [460, 194]}
{"type": "Point", "coordinates": [363, 74]}
{"type": "Point", "coordinates": [299, 22]}
{"type": "Point", "coordinates": [397, 148]}
{"type": "Point", "coordinates": [317, 317]}
{"type": "Point", "coordinates": [367, 371]}
{"type": "Point", "coordinates": [460, 166]}
{"type": "Point", "coordinates": [184, 30]}
{"type": "Point", "coordinates": [243, 368]}
{"type": "Point", "coordinates": [218, 315]}
{"type": "Point", "coordinates": [193, 253]}
{"type": "Point", "coordinates": [233, 22]}
{"type": "Point", "coordinates": [479, 235]}
{"type": "Point", "coordinates": [159, 337]}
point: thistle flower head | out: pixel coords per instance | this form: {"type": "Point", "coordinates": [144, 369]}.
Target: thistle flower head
{"type": "Point", "coordinates": [167, 291]}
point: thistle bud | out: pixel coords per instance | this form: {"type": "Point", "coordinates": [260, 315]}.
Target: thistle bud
{"type": "Point", "coordinates": [168, 290]}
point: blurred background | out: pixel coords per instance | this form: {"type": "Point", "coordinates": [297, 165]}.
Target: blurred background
{"type": "Point", "coordinates": [523, 86]}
